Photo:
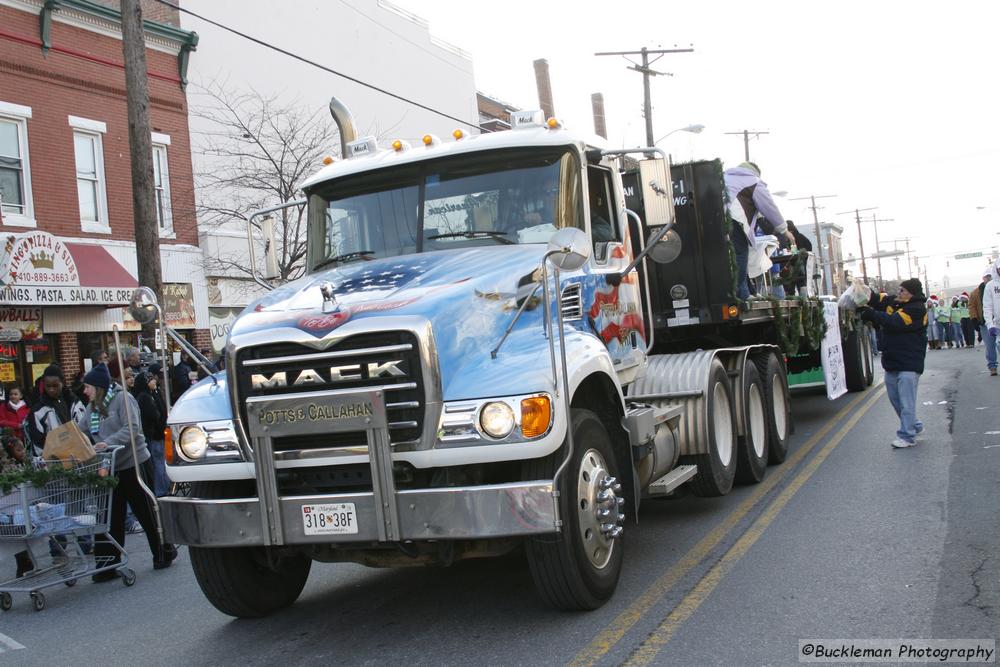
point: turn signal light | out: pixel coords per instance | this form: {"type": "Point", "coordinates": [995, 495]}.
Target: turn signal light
{"type": "Point", "coordinates": [536, 415]}
{"type": "Point", "coordinates": [730, 312]}
{"type": "Point", "coordinates": [168, 445]}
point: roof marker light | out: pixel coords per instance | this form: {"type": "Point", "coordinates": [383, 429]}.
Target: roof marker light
{"type": "Point", "coordinates": [553, 124]}
{"type": "Point", "coordinates": [399, 145]}
{"type": "Point", "coordinates": [458, 134]}
{"type": "Point", "coordinates": [328, 160]}
{"type": "Point", "coordinates": [431, 140]}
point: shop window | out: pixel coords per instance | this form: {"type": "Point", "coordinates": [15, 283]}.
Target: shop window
{"type": "Point", "coordinates": [15, 175]}
{"type": "Point", "coordinates": [90, 180]}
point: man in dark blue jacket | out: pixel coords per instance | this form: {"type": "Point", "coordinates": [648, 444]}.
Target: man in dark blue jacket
{"type": "Point", "coordinates": [903, 321]}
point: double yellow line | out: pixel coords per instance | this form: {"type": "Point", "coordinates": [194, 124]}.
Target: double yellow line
{"type": "Point", "coordinates": [601, 644]}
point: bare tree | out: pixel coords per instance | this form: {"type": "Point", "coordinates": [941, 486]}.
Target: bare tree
{"type": "Point", "coordinates": [255, 151]}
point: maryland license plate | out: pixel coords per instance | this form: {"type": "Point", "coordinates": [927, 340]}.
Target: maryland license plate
{"type": "Point", "coordinates": [335, 519]}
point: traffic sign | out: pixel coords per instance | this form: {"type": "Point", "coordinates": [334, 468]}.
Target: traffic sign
{"type": "Point", "coordinates": [968, 255]}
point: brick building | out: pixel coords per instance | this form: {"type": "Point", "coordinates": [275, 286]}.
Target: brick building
{"type": "Point", "coordinates": [67, 250]}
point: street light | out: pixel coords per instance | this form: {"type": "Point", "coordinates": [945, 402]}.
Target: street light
{"type": "Point", "coordinates": [693, 129]}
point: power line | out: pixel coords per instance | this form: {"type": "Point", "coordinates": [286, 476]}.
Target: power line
{"type": "Point", "coordinates": [305, 60]}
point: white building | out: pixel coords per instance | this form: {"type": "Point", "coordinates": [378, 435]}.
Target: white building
{"type": "Point", "coordinates": [370, 40]}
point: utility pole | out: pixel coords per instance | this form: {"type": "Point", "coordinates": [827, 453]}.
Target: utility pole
{"type": "Point", "coordinates": [878, 247]}
{"type": "Point", "coordinates": [861, 239]}
{"type": "Point", "coordinates": [909, 260]}
{"type": "Point", "coordinates": [819, 239]}
{"type": "Point", "coordinates": [644, 69]}
{"type": "Point", "coordinates": [147, 237]}
{"type": "Point", "coordinates": [746, 140]}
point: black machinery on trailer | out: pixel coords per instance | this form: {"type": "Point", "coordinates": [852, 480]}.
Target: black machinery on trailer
{"type": "Point", "coordinates": [693, 296]}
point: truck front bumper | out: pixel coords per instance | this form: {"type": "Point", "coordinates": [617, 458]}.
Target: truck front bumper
{"type": "Point", "coordinates": [472, 512]}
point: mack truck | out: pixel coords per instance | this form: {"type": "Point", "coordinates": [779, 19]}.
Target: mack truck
{"type": "Point", "coordinates": [484, 355]}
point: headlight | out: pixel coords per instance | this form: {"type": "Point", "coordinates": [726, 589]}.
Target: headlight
{"type": "Point", "coordinates": [193, 443]}
{"type": "Point", "coordinates": [497, 419]}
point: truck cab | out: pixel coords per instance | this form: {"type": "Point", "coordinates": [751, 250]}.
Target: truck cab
{"type": "Point", "coordinates": [447, 380]}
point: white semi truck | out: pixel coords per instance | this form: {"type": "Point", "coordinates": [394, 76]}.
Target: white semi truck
{"type": "Point", "coordinates": [469, 365]}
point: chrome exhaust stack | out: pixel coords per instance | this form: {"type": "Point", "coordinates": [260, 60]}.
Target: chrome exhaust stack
{"type": "Point", "coordinates": [345, 124]}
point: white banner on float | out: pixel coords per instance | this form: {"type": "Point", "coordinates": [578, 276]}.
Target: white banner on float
{"type": "Point", "coordinates": [832, 353]}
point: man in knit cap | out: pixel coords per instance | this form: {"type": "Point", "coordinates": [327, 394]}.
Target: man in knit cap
{"type": "Point", "coordinates": [903, 321]}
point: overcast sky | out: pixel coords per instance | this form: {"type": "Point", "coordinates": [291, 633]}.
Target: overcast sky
{"type": "Point", "coordinates": [889, 104]}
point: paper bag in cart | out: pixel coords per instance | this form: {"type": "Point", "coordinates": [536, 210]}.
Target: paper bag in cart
{"type": "Point", "coordinates": [68, 444]}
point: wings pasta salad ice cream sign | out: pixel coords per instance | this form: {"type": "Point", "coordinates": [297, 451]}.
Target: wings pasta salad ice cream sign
{"type": "Point", "coordinates": [37, 268]}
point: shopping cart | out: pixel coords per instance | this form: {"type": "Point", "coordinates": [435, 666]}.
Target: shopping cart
{"type": "Point", "coordinates": [65, 517]}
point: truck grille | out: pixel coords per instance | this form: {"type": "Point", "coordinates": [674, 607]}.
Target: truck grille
{"type": "Point", "coordinates": [390, 360]}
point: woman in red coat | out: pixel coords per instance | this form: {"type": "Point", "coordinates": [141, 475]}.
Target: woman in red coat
{"type": "Point", "coordinates": [13, 412]}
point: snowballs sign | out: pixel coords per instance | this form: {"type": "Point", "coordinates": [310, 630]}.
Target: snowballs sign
{"type": "Point", "coordinates": [39, 269]}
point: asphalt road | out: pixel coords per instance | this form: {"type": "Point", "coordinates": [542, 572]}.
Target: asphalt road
{"type": "Point", "coordinates": [847, 539]}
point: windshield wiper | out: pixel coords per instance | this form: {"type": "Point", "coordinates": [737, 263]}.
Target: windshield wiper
{"type": "Point", "coordinates": [474, 235]}
{"type": "Point", "coordinates": [346, 257]}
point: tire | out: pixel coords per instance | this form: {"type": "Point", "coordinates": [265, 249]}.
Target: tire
{"type": "Point", "coordinates": [717, 468]}
{"type": "Point", "coordinates": [751, 448]}
{"type": "Point", "coordinates": [776, 406]}
{"type": "Point", "coordinates": [242, 581]}
{"type": "Point", "coordinates": [854, 358]}
{"type": "Point", "coordinates": [6, 601]}
{"type": "Point", "coordinates": [578, 568]}
{"type": "Point", "coordinates": [869, 360]}
{"type": "Point", "coordinates": [38, 601]}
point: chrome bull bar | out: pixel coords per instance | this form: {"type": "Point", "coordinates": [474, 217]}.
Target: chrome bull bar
{"type": "Point", "coordinates": [383, 514]}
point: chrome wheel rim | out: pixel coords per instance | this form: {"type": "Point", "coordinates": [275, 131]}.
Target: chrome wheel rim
{"type": "Point", "coordinates": [778, 401]}
{"type": "Point", "coordinates": [755, 412]}
{"type": "Point", "coordinates": [600, 508]}
{"type": "Point", "coordinates": [722, 419]}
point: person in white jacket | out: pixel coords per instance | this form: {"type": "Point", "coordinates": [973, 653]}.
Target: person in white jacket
{"type": "Point", "coordinates": [991, 308]}
{"type": "Point", "coordinates": [751, 207]}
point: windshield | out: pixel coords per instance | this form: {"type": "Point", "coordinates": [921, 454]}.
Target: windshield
{"type": "Point", "coordinates": [499, 198]}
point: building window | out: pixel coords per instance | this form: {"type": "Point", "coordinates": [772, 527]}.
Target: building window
{"type": "Point", "coordinates": [15, 176]}
{"type": "Point", "coordinates": [161, 182]}
{"type": "Point", "coordinates": [90, 181]}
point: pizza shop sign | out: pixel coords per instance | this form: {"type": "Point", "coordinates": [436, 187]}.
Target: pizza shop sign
{"type": "Point", "coordinates": [37, 268]}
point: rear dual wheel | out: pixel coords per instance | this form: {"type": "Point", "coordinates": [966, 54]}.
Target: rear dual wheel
{"type": "Point", "coordinates": [778, 414]}
{"type": "Point", "coordinates": [752, 447]}
{"type": "Point", "coordinates": [716, 468]}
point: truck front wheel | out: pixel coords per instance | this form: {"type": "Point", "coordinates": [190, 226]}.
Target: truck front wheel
{"type": "Point", "coordinates": [244, 581]}
{"type": "Point", "coordinates": [578, 568]}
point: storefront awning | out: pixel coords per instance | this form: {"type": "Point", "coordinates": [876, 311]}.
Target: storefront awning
{"type": "Point", "coordinates": [97, 268]}
{"type": "Point", "coordinates": [39, 269]}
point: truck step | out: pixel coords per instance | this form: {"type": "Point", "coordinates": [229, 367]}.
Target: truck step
{"type": "Point", "coordinates": [671, 480]}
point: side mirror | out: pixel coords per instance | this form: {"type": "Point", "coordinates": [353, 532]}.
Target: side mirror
{"type": "Point", "coordinates": [657, 191]}
{"type": "Point", "coordinates": [667, 248]}
{"type": "Point", "coordinates": [271, 270]}
{"type": "Point", "coordinates": [570, 249]}
{"type": "Point", "coordinates": [142, 306]}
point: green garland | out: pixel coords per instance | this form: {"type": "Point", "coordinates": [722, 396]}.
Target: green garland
{"type": "Point", "coordinates": [807, 320]}
{"type": "Point", "coordinates": [39, 477]}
